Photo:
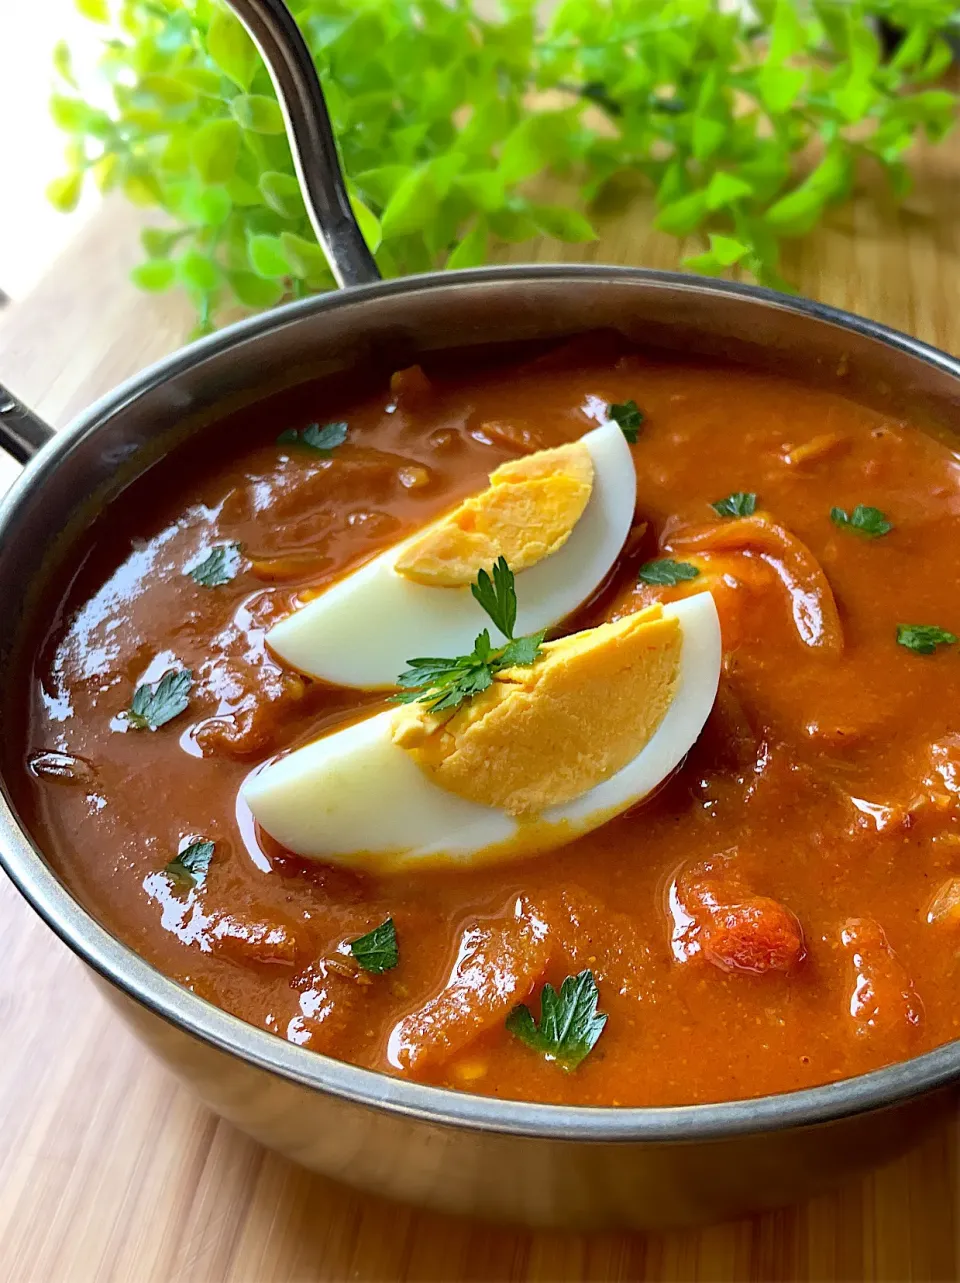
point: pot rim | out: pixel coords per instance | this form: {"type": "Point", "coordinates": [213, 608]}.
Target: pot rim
{"type": "Point", "coordinates": [139, 980]}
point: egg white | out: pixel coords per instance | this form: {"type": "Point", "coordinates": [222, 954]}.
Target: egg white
{"type": "Point", "coordinates": [355, 798]}
{"type": "Point", "coordinates": [362, 631]}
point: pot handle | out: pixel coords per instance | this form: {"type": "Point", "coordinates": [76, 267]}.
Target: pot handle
{"type": "Point", "coordinates": [21, 432]}
{"type": "Point", "coordinates": [276, 34]}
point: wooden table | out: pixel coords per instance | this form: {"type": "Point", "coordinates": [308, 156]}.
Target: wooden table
{"type": "Point", "coordinates": [110, 1171]}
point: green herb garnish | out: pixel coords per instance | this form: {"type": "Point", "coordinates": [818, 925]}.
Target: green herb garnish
{"type": "Point", "coordinates": [569, 1021]}
{"type": "Point", "coordinates": [666, 573]}
{"type": "Point", "coordinates": [219, 566]}
{"type": "Point", "coordinates": [497, 596]}
{"type": "Point", "coordinates": [629, 417]}
{"type": "Point", "coordinates": [444, 684]}
{"type": "Point", "coordinates": [377, 950]}
{"type": "Point", "coordinates": [192, 863]}
{"type": "Point", "coordinates": [153, 705]}
{"type": "Point", "coordinates": [739, 504]}
{"type": "Point", "coordinates": [322, 439]}
{"type": "Point", "coordinates": [521, 652]}
{"type": "Point", "coordinates": [864, 520]}
{"type": "Point", "coordinates": [923, 638]}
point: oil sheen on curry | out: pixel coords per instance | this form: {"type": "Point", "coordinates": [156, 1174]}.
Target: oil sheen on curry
{"type": "Point", "coordinates": [579, 727]}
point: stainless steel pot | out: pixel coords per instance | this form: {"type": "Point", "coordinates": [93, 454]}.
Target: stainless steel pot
{"type": "Point", "coordinates": [508, 1159]}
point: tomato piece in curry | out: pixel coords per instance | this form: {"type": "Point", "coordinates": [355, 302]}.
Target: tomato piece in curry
{"type": "Point", "coordinates": [785, 911]}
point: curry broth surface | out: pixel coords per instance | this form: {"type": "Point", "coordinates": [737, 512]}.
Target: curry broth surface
{"type": "Point", "coordinates": [809, 789]}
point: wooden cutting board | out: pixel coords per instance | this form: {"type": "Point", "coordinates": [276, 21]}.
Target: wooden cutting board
{"type": "Point", "coordinates": [110, 1171]}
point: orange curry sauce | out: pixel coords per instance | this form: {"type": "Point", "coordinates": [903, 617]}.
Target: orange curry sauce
{"type": "Point", "coordinates": [786, 910]}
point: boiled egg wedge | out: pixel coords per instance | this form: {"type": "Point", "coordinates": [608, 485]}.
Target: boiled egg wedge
{"type": "Point", "coordinates": [559, 517]}
{"type": "Point", "coordinates": [547, 753]}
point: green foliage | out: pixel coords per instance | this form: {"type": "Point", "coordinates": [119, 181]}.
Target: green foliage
{"type": "Point", "coordinates": [444, 684]}
{"type": "Point", "coordinates": [154, 705]}
{"type": "Point", "coordinates": [321, 440]}
{"type": "Point", "coordinates": [442, 126]}
{"type": "Point", "coordinates": [864, 520]}
{"type": "Point", "coordinates": [739, 504]}
{"type": "Point", "coordinates": [570, 1023]}
{"type": "Point", "coordinates": [218, 567]}
{"type": "Point", "coordinates": [498, 596]}
{"type": "Point", "coordinates": [377, 951]}
{"type": "Point", "coordinates": [229, 47]}
{"type": "Point", "coordinates": [629, 416]}
{"type": "Point", "coordinates": [666, 573]}
{"type": "Point", "coordinates": [192, 863]}
{"type": "Point", "coordinates": [924, 638]}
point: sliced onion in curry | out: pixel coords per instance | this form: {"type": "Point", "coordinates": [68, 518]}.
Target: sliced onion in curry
{"type": "Point", "coordinates": [812, 603]}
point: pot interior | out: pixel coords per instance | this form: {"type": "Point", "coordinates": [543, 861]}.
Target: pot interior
{"type": "Point", "coordinates": [359, 338]}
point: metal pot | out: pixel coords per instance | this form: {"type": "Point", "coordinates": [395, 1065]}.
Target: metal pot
{"type": "Point", "coordinates": [541, 1164]}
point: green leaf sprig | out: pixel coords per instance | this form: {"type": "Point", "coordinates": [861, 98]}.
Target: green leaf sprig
{"type": "Point", "coordinates": [924, 639]}
{"type": "Point", "coordinates": [569, 1021]}
{"type": "Point", "coordinates": [498, 596]}
{"type": "Point", "coordinates": [155, 704]}
{"type": "Point", "coordinates": [444, 113]}
{"type": "Point", "coordinates": [629, 417]}
{"type": "Point", "coordinates": [323, 440]}
{"type": "Point", "coordinates": [863, 521]}
{"type": "Point", "coordinates": [739, 504]}
{"type": "Point", "coordinates": [192, 863]}
{"type": "Point", "coordinates": [445, 684]}
{"type": "Point", "coordinates": [377, 951]}
{"type": "Point", "coordinates": [218, 567]}
{"type": "Point", "coordinates": [667, 574]}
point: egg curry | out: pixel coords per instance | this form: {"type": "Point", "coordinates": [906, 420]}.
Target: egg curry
{"type": "Point", "coordinates": [575, 726]}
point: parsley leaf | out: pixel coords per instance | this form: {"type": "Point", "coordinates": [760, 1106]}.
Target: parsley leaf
{"type": "Point", "coordinates": [192, 863]}
{"type": "Point", "coordinates": [667, 573]}
{"type": "Point", "coordinates": [923, 638]}
{"type": "Point", "coordinates": [569, 1021]}
{"type": "Point", "coordinates": [629, 417]}
{"type": "Point", "coordinates": [219, 566]}
{"type": "Point", "coordinates": [864, 520]}
{"type": "Point", "coordinates": [739, 504]}
{"type": "Point", "coordinates": [377, 951]}
{"type": "Point", "coordinates": [522, 651]}
{"type": "Point", "coordinates": [324, 440]}
{"type": "Point", "coordinates": [447, 690]}
{"type": "Point", "coordinates": [498, 597]}
{"type": "Point", "coordinates": [154, 705]}
{"type": "Point", "coordinates": [444, 684]}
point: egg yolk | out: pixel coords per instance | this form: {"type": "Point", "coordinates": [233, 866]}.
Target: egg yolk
{"type": "Point", "coordinates": [544, 735]}
{"type": "Point", "coordinates": [527, 512]}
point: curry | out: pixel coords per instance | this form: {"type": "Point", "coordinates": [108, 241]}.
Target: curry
{"type": "Point", "coordinates": [782, 910]}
